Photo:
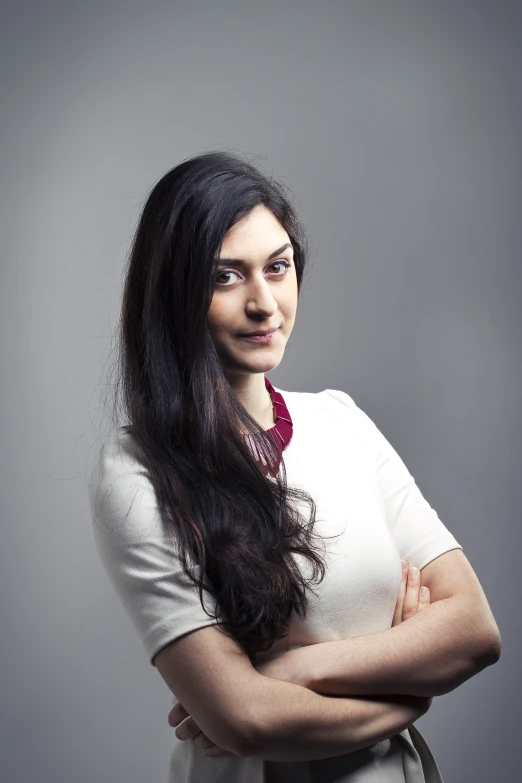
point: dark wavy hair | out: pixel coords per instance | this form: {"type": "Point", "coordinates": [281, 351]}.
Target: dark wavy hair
{"type": "Point", "coordinates": [240, 526]}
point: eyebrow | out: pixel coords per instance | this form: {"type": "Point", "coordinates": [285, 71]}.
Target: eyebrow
{"type": "Point", "coordinates": [242, 262]}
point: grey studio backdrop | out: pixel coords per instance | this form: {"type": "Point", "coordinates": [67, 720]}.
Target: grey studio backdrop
{"type": "Point", "coordinates": [397, 126]}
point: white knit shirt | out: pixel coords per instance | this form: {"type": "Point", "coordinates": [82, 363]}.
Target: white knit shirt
{"type": "Point", "coordinates": [364, 492]}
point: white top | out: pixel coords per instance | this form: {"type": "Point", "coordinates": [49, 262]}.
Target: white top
{"type": "Point", "coordinates": [364, 491]}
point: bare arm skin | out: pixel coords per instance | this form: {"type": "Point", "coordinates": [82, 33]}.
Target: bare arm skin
{"type": "Point", "coordinates": [291, 723]}
{"type": "Point", "coordinates": [378, 718]}
{"type": "Point", "coordinates": [432, 653]}
{"type": "Point", "coordinates": [302, 730]}
{"type": "Point", "coordinates": [248, 714]}
{"type": "Point", "coordinates": [286, 667]}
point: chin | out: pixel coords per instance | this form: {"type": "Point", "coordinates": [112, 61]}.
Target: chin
{"type": "Point", "coordinates": [262, 365]}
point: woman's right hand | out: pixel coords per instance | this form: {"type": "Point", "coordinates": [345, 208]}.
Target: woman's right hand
{"type": "Point", "coordinates": [411, 597]}
{"type": "Point", "coordinates": [189, 729]}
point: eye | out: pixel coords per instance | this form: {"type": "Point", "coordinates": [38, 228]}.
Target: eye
{"type": "Point", "coordinates": [286, 265]}
{"type": "Point", "coordinates": [224, 272]}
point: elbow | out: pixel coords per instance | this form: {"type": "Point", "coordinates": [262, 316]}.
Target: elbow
{"type": "Point", "coordinates": [230, 732]}
{"type": "Point", "coordinates": [483, 651]}
{"type": "Point", "coordinates": [488, 643]}
{"type": "Point", "coordinates": [490, 648]}
{"type": "Point", "coordinates": [236, 740]}
{"type": "Point", "coordinates": [253, 735]}
{"type": "Point", "coordinates": [245, 737]}
{"type": "Point", "coordinates": [245, 742]}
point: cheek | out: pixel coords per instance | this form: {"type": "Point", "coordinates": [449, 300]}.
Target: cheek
{"type": "Point", "coordinates": [214, 314]}
{"type": "Point", "coordinates": [218, 318]}
{"type": "Point", "coordinates": [288, 304]}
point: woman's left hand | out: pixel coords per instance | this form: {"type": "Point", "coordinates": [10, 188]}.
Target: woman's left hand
{"type": "Point", "coordinates": [411, 598]}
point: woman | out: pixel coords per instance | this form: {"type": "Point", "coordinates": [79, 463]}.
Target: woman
{"type": "Point", "coordinates": [255, 535]}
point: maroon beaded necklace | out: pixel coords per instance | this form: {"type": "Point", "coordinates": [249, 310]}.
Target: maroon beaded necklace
{"type": "Point", "coordinates": [281, 433]}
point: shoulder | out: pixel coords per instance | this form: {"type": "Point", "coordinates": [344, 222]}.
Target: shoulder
{"type": "Point", "coordinates": [117, 475]}
{"type": "Point", "coordinates": [341, 396]}
{"type": "Point", "coordinates": [328, 398]}
{"type": "Point", "coordinates": [333, 407]}
{"type": "Point", "coordinates": [118, 453]}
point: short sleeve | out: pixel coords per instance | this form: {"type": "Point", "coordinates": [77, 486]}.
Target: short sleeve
{"type": "Point", "coordinates": [419, 534]}
{"type": "Point", "coordinates": [137, 554]}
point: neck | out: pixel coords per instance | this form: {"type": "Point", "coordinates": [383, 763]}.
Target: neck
{"type": "Point", "coordinates": [254, 397]}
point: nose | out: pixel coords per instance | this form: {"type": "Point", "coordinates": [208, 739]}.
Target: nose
{"type": "Point", "coordinates": [260, 300]}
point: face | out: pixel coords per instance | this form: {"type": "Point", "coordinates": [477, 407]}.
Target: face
{"type": "Point", "coordinates": [255, 290]}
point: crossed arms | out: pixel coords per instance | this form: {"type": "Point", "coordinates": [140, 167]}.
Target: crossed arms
{"type": "Point", "coordinates": [381, 682]}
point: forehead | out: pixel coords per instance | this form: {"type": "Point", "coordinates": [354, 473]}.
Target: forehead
{"type": "Point", "coordinates": [256, 232]}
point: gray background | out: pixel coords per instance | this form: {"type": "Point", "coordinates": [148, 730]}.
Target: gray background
{"type": "Point", "coordinates": [397, 126]}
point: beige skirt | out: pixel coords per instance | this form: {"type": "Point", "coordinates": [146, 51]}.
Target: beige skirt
{"type": "Point", "coordinates": [403, 758]}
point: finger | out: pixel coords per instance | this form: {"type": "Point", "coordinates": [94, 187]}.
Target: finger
{"type": "Point", "coordinates": [207, 746]}
{"type": "Point", "coordinates": [202, 741]}
{"type": "Point", "coordinates": [177, 714]}
{"type": "Point", "coordinates": [215, 750]}
{"type": "Point", "coordinates": [397, 615]}
{"type": "Point", "coordinates": [187, 730]}
{"type": "Point", "coordinates": [424, 597]}
{"type": "Point", "coordinates": [192, 731]}
{"type": "Point", "coordinates": [411, 598]}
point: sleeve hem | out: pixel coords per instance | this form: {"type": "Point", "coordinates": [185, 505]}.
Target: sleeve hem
{"type": "Point", "coordinates": [425, 554]}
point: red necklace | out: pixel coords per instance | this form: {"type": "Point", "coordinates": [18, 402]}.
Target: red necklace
{"type": "Point", "coordinates": [281, 433]}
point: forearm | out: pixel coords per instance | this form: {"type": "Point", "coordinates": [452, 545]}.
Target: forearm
{"type": "Point", "coordinates": [296, 724]}
{"type": "Point", "coordinates": [429, 654]}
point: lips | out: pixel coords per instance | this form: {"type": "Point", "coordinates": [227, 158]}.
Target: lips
{"type": "Point", "coordinates": [259, 334]}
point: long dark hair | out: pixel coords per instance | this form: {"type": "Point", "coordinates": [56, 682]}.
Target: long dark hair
{"type": "Point", "coordinates": [238, 525]}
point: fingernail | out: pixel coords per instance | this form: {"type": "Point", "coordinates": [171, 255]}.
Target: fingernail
{"type": "Point", "coordinates": [413, 572]}
{"type": "Point", "coordinates": [404, 565]}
